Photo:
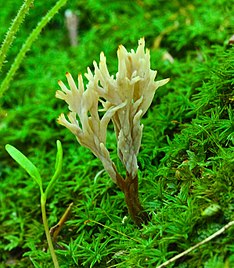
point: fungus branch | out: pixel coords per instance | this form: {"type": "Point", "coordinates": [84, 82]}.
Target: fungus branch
{"type": "Point", "coordinates": [125, 99]}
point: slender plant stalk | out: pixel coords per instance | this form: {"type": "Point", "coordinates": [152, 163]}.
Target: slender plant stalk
{"type": "Point", "coordinates": [107, 227]}
{"type": "Point", "coordinates": [26, 46]}
{"type": "Point", "coordinates": [13, 30]}
{"type": "Point", "coordinates": [32, 170]}
{"type": "Point", "coordinates": [48, 236]}
{"type": "Point", "coordinates": [209, 238]}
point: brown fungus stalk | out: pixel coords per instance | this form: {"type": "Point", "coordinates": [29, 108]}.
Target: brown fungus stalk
{"type": "Point", "coordinates": [125, 99]}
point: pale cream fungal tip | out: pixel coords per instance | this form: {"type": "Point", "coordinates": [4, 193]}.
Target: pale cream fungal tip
{"type": "Point", "coordinates": [125, 97]}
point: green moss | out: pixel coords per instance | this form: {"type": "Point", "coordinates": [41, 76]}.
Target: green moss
{"type": "Point", "coordinates": [186, 158]}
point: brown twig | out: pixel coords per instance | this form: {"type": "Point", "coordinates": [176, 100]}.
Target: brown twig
{"type": "Point", "coordinates": [54, 231]}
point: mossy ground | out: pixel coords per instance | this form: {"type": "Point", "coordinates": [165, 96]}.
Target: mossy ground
{"type": "Point", "coordinates": [187, 155]}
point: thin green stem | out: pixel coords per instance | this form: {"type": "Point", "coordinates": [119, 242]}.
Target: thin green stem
{"type": "Point", "coordinates": [47, 232]}
{"type": "Point", "coordinates": [13, 30]}
{"type": "Point", "coordinates": [26, 46]}
{"type": "Point", "coordinates": [105, 226]}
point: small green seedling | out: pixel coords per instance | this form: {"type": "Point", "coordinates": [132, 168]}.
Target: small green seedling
{"type": "Point", "coordinates": [32, 170]}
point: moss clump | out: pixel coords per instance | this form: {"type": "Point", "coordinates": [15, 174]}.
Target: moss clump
{"type": "Point", "coordinates": [186, 158]}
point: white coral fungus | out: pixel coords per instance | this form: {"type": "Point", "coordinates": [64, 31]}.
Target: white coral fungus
{"type": "Point", "coordinates": [125, 100]}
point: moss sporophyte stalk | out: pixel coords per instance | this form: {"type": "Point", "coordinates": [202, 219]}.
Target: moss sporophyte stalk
{"type": "Point", "coordinates": [125, 99]}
